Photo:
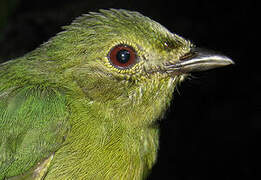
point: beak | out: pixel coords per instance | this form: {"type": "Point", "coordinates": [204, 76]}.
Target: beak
{"type": "Point", "coordinates": [200, 60]}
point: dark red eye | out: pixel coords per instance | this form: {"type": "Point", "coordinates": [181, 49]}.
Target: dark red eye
{"type": "Point", "coordinates": [122, 56]}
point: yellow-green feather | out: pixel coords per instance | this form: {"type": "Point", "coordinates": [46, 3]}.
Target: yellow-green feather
{"type": "Point", "coordinates": [107, 117]}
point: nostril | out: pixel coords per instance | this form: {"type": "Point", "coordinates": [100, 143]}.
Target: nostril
{"type": "Point", "coordinates": [189, 55]}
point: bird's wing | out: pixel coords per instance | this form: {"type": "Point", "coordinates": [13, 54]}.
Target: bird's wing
{"type": "Point", "coordinates": [33, 125]}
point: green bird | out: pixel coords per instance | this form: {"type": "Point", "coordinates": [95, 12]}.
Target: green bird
{"type": "Point", "coordinates": [86, 104]}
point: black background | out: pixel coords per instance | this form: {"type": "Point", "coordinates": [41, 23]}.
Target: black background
{"type": "Point", "coordinates": [212, 128]}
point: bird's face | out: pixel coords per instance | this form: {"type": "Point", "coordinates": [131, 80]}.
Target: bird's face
{"type": "Point", "coordinates": [130, 63]}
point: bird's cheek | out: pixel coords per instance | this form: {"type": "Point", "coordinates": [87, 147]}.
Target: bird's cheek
{"type": "Point", "coordinates": [98, 88]}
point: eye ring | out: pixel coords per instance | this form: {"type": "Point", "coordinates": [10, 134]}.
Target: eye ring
{"type": "Point", "coordinates": [122, 56]}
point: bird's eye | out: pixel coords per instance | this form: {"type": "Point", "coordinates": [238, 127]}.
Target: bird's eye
{"type": "Point", "coordinates": [122, 56]}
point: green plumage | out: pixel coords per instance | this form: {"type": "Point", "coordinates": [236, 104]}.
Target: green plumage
{"type": "Point", "coordinates": [68, 112]}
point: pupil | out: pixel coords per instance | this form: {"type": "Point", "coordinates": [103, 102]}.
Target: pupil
{"type": "Point", "coordinates": [123, 56]}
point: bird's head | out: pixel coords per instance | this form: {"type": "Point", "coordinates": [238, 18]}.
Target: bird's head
{"type": "Point", "coordinates": [127, 63]}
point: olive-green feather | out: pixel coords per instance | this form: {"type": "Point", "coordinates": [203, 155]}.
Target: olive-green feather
{"type": "Point", "coordinates": [33, 125]}
{"type": "Point", "coordinates": [66, 101]}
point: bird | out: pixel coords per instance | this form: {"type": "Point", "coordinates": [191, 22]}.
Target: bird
{"type": "Point", "coordinates": [87, 103]}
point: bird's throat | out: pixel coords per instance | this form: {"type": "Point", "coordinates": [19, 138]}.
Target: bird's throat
{"type": "Point", "coordinates": [113, 141]}
{"type": "Point", "coordinates": [108, 151]}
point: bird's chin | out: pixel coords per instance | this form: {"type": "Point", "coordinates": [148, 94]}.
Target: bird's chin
{"type": "Point", "coordinates": [175, 77]}
{"type": "Point", "coordinates": [167, 74]}
{"type": "Point", "coordinates": [179, 77]}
